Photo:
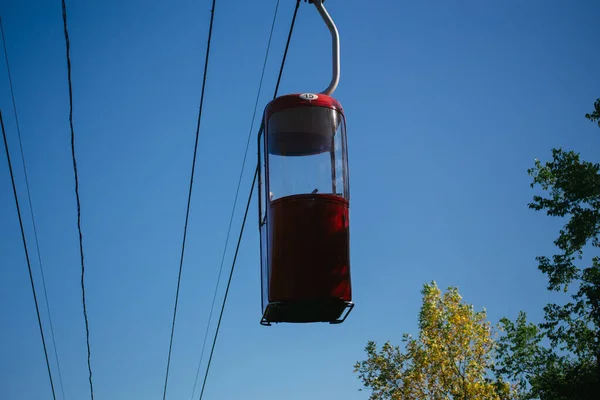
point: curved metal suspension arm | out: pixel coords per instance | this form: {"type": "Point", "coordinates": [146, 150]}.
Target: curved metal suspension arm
{"type": "Point", "coordinates": [335, 39]}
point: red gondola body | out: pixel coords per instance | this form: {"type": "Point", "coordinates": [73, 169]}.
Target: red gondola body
{"type": "Point", "coordinates": [304, 211]}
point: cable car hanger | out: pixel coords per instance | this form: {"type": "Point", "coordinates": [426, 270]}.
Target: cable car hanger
{"type": "Point", "coordinates": [335, 45]}
{"type": "Point", "coordinates": [304, 204]}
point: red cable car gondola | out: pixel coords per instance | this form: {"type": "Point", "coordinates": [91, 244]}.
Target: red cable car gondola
{"type": "Point", "coordinates": [304, 204]}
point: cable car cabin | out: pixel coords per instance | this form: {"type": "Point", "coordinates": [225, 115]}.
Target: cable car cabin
{"type": "Point", "coordinates": [303, 211]}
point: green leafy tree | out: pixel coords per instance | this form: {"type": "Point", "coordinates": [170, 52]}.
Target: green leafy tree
{"type": "Point", "coordinates": [450, 359]}
{"type": "Point", "coordinates": [570, 368]}
{"type": "Point", "coordinates": [595, 115]}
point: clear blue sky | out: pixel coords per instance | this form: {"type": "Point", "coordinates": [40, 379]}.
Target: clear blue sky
{"type": "Point", "coordinates": [447, 103]}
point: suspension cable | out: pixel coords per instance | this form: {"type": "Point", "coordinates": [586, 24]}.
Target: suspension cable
{"type": "Point", "coordinates": [37, 308]}
{"type": "Point", "coordinates": [246, 212]}
{"type": "Point", "coordinates": [228, 283]}
{"type": "Point", "coordinates": [35, 235]}
{"type": "Point", "coordinates": [287, 46]}
{"type": "Point", "coordinates": [85, 316]}
{"type": "Point", "coordinates": [187, 213]}
{"type": "Point", "coordinates": [237, 191]}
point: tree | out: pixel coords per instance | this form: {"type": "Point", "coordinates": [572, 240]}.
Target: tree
{"type": "Point", "coordinates": [571, 368]}
{"type": "Point", "coordinates": [450, 359]}
{"type": "Point", "coordinates": [595, 115]}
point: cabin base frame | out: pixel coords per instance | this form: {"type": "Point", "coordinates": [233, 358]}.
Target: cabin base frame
{"type": "Point", "coordinates": [333, 311]}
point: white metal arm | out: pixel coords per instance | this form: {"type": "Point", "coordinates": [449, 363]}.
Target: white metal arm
{"type": "Point", "coordinates": [335, 38]}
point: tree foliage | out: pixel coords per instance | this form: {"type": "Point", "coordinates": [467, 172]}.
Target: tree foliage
{"type": "Point", "coordinates": [450, 359]}
{"type": "Point", "coordinates": [570, 369]}
{"type": "Point", "coordinates": [594, 116]}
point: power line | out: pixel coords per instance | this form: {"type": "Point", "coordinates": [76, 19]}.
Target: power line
{"type": "Point", "coordinates": [37, 246]}
{"type": "Point", "coordinates": [247, 207]}
{"type": "Point", "coordinates": [236, 196]}
{"type": "Point", "coordinates": [37, 309]}
{"type": "Point", "coordinates": [87, 328]}
{"type": "Point", "coordinates": [187, 213]}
